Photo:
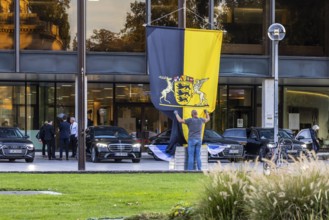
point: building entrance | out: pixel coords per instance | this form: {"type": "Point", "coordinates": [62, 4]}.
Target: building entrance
{"type": "Point", "coordinates": [141, 119]}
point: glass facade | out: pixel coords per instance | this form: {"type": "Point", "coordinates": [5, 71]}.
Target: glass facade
{"type": "Point", "coordinates": [306, 24]}
{"type": "Point", "coordinates": [116, 26]}
{"type": "Point", "coordinates": [48, 25]}
{"type": "Point", "coordinates": [305, 107]}
{"type": "Point", "coordinates": [243, 21]}
{"type": "Point", "coordinates": [164, 13]}
{"type": "Point", "coordinates": [6, 25]}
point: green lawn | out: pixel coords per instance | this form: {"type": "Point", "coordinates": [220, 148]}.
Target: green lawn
{"type": "Point", "coordinates": [95, 195]}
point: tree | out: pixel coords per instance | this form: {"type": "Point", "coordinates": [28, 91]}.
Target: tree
{"type": "Point", "coordinates": [54, 12]}
{"type": "Point", "coordinates": [104, 40]}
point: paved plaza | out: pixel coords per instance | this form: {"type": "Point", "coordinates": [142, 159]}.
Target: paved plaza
{"type": "Point", "coordinates": [41, 164]}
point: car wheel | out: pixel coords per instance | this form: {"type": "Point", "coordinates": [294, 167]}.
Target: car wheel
{"type": "Point", "coordinates": [29, 160]}
{"type": "Point", "coordinates": [11, 160]}
{"type": "Point", "coordinates": [94, 156]}
{"type": "Point", "coordinates": [136, 160]}
{"type": "Point", "coordinates": [117, 160]}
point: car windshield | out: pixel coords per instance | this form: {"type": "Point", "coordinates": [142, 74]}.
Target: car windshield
{"type": "Point", "coordinates": [111, 132]}
{"type": "Point", "coordinates": [235, 133]}
{"type": "Point", "coordinates": [10, 133]}
{"type": "Point", "coordinates": [269, 134]}
{"type": "Point", "coordinates": [212, 134]}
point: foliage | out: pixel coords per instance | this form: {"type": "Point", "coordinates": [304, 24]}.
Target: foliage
{"type": "Point", "coordinates": [95, 195]}
{"type": "Point", "coordinates": [54, 12]}
{"type": "Point", "coordinates": [181, 211]}
{"type": "Point", "coordinates": [132, 37]}
{"type": "Point", "coordinates": [297, 191]}
{"type": "Point", "coordinates": [223, 196]}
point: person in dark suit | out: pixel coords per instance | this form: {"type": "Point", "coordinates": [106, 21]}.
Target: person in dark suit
{"type": "Point", "coordinates": [64, 137]}
{"type": "Point", "coordinates": [49, 137]}
{"type": "Point", "coordinates": [41, 137]}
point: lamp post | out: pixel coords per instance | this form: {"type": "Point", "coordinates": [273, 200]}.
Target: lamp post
{"type": "Point", "coordinates": [276, 33]}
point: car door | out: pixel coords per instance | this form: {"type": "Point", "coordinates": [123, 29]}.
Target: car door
{"type": "Point", "coordinates": [305, 137]}
{"type": "Point", "coordinates": [253, 143]}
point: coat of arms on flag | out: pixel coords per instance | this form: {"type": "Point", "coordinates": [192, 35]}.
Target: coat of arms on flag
{"type": "Point", "coordinates": [183, 88]}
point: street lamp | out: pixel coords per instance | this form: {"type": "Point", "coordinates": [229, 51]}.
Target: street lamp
{"type": "Point", "coordinates": [276, 33]}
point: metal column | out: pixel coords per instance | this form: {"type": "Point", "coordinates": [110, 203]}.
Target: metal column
{"type": "Point", "coordinates": [182, 13]}
{"type": "Point", "coordinates": [148, 12]}
{"type": "Point", "coordinates": [17, 36]}
{"type": "Point", "coordinates": [81, 81]}
{"type": "Point", "coordinates": [211, 14]}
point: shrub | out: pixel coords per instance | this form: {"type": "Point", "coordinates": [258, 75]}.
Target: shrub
{"type": "Point", "coordinates": [296, 191]}
{"type": "Point", "coordinates": [223, 197]}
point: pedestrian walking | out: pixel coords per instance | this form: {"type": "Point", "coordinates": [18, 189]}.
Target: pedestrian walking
{"type": "Point", "coordinates": [194, 142]}
{"type": "Point", "coordinates": [73, 136]}
{"type": "Point", "coordinates": [64, 137]}
{"type": "Point", "coordinates": [41, 137]}
{"type": "Point", "coordinates": [49, 131]}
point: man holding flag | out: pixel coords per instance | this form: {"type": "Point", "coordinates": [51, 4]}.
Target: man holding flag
{"type": "Point", "coordinates": [195, 125]}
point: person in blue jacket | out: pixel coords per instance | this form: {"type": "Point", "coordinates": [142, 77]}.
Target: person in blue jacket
{"type": "Point", "coordinates": [64, 137]}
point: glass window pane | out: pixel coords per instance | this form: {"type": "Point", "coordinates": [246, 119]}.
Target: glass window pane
{"type": "Point", "coordinates": [197, 14]}
{"type": "Point", "coordinates": [306, 26]}
{"type": "Point", "coordinates": [132, 93]}
{"type": "Point", "coordinates": [164, 13]}
{"type": "Point", "coordinates": [12, 105]}
{"type": "Point", "coordinates": [6, 25]}
{"type": "Point", "coordinates": [100, 104]}
{"type": "Point", "coordinates": [48, 24]}
{"type": "Point", "coordinates": [240, 101]}
{"type": "Point", "coordinates": [65, 98]}
{"type": "Point", "coordinates": [243, 21]}
{"type": "Point", "coordinates": [308, 106]}
{"type": "Point", "coordinates": [116, 26]}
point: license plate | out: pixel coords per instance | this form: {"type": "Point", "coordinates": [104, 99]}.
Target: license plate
{"type": "Point", "coordinates": [15, 151]}
{"type": "Point", "coordinates": [291, 151]}
{"type": "Point", "coordinates": [121, 154]}
{"type": "Point", "coordinates": [233, 151]}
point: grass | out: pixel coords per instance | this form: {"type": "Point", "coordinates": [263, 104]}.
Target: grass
{"type": "Point", "coordinates": [95, 195]}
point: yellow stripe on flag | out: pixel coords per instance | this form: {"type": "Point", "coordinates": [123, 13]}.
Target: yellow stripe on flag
{"type": "Point", "coordinates": [201, 61]}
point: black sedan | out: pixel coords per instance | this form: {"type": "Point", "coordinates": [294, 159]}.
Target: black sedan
{"type": "Point", "coordinates": [218, 147]}
{"type": "Point", "coordinates": [110, 142]}
{"type": "Point", "coordinates": [14, 145]}
{"type": "Point", "coordinates": [258, 141]}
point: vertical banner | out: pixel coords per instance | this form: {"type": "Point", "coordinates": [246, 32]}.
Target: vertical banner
{"type": "Point", "coordinates": [184, 71]}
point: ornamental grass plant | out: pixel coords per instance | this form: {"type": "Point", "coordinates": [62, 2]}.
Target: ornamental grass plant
{"type": "Point", "coordinates": [299, 190]}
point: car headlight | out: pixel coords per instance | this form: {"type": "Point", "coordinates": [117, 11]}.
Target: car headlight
{"type": "Point", "coordinates": [304, 146]}
{"type": "Point", "coordinates": [271, 145]}
{"type": "Point", "coordinates": [136, 147]}
{"type": "Point", "coordinates": [30, 146]}
{"type": "Point", "coordinates": [101, 145]}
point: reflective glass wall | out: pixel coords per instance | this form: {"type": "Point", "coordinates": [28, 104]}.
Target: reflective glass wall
{"type": "Point", "coordinates": [306, 24]}
{"type": "Point", "coordinates": [306, 106]}
{"type": "Point", "coordinates": [48, 24]}
{"type": "Point", "coordinates": [116, 26]}
{"type": "Point", "coordinates": [243, 22]}
{"type": "Point", "coordinates": [6, 25]}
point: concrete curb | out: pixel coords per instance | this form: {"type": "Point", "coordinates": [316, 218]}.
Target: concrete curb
{"type": "Point", "coordinates": [105, 172]}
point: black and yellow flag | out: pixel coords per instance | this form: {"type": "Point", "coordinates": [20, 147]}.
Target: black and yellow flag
{"type": "Point", "coordinates": [184, 69]}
